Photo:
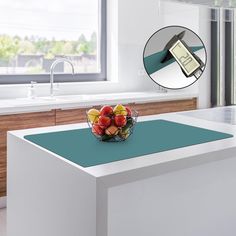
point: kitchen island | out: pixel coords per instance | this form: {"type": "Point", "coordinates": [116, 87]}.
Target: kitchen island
{"type": "Point", "coordinates": [27, 113]}
{"type": "Point", "coordinates": [180, 181]}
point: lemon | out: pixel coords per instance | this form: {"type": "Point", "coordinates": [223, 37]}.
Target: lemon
{"type": "Point", "coordinates": [93, 115]}
{"type": "Point", "coordinates": [120, 110]}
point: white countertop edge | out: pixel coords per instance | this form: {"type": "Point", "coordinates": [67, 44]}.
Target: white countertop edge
{"type": "Point", "coordinates": [73, 104]}
{"type": "Point", "coordinates": [100, 171]}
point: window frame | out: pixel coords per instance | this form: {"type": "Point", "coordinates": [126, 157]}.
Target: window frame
{"type": "Point", "coordinates": [66, 77]}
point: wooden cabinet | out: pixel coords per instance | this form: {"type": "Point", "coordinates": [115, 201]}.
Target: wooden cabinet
{"type": "Point", "coordinates": [70, 116]}
{"type": "Point", "coordinates": [78, 115]}
{"type": "Point", "coordinates": [154, 108]}
{"type": "Point", "coordinates": [15, 122]}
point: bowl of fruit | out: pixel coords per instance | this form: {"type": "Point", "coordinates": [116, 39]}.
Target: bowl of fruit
{"type": "Point", "coordinates": [112, 124]}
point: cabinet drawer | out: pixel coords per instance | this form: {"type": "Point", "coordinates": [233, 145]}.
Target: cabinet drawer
{"type": "Point", "coordinates": [165, 107]}
{"type": "Point", "coordinates": [27, 120]}
{"type": "Point", "coordinates": [72, 116]}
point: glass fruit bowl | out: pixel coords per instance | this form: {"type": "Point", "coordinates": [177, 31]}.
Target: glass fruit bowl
{"type": "Point", "coordinates": [112, 124]}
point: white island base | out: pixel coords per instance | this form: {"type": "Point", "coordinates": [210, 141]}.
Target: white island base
{"type": "Point", "coordinates": [189, 191]}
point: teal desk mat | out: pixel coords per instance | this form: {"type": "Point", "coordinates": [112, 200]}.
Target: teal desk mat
{"type": "Point", "coordinates": [153, 63]}
{"type": "Point", "coordinates": [82, 148]}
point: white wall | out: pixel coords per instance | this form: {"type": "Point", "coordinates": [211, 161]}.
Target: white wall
{"type": "Point", "coordinates": [130, 24]}
{"type": "Point", "coordinates": [196, 18]}
{"type": "Point", "coordinates": [138, 20]}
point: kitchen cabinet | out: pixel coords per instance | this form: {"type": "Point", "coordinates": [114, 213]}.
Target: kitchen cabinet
{"type": "Point", "coordinates": [154, 108]}
{"type": "Point", "coordinates": [78, 115]}
{"type": "Point", "coordinates": [16, 122]}
{"type": "Point", "coordinates": [71, 116]}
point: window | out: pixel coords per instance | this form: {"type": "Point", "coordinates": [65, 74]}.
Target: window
{"type": "Point", "coordinates": [35, 33]}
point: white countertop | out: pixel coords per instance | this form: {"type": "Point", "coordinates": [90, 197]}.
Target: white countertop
{"type": "Point", "coordinates": [21, 105]}
{"type": "Point", "coordinates": [187, 156]}
{"type": "Point", "coordinates": [219, 114]}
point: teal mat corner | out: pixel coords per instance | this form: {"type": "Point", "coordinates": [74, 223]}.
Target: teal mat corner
{"type": "Point", "coordinates": [82, 148]}
{"type": "Point", "coordinates": [153, 63]}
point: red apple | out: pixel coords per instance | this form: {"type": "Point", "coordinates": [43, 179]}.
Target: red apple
{"type": "Point", "coordinates": [129, 112]}
{"type": "Point", "coordinates": [104, 121]}
{"type": "Point", "coordinates": [120, 120]}
{"type": "Point", "coordinates": [106, 111]}
{"type": "Point", "coordinates": [97, 129]}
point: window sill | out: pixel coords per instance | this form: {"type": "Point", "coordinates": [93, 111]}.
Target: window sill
{"type": "Point", "coordinates": [92, 83]}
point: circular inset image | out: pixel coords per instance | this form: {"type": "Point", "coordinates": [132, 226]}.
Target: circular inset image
{"type": "Point", "coordinates": [174, 57]}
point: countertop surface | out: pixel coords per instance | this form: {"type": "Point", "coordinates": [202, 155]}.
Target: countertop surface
{"type": "Point", "coordinates": [81, 147]}
{"type": "Point", "coordinates": [191, 155]}
{"type": "Point", "coordinates": [220, 114]}
{"type": "Point", "coordinates": [21, 105]}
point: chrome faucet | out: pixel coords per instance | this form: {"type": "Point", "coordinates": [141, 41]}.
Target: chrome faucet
{"type": "Point", "coordinates": [52, 72]}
